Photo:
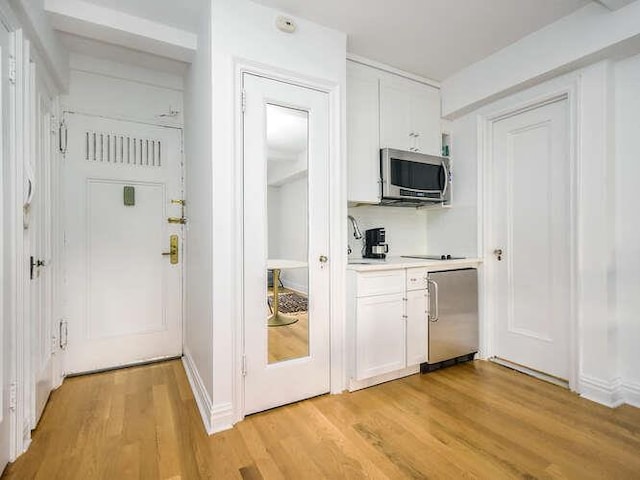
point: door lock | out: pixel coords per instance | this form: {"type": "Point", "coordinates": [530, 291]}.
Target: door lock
{"type": "Point", "coordinates": [498, 253]}
{"type": "Point", "coordinates": [173, 250]}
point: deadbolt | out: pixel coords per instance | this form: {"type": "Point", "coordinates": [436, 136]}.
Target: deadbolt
{"type": "Point", "coordinates": [498, 253]}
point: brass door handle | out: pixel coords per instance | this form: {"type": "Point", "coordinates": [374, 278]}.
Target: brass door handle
{"type": "Point", "coordinates": [173, 250]}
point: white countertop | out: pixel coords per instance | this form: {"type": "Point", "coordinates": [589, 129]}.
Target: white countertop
{"type": "Point", "coordinates": [392, 263]}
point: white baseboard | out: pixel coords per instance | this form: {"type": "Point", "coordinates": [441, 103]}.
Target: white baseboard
{"type": "Point", "coordinates": [605, 393]}
{"type": "Point", "coordinates": [222, 417]}
{"type": "Point", "coordinates": [203, 400]}
{"type": "Point", "coordinates": [386, 377]}
{"type": "Point", "coordinates": [631, 393]}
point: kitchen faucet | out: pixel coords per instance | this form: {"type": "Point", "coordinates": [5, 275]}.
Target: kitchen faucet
{"type": "Point", "coordinates": [357, 234]}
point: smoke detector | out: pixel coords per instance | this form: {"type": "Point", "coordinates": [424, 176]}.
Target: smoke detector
{"type": "Point", "coordinates": [285, 24]}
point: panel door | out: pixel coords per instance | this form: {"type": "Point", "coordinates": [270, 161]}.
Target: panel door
{"type": "Point", "coordinates": [380, 335]}
{"type": "Point", "coordinates": [417, 326]}
{"type": "Point", "coordinates": [39, 243]}
{"type": "Point", "coordinates": [123, 295]}
{"type": "Point", "coordinates": [531, 225]}
{"type": "Point", "coordinates": [6, 331]}
{"type": "Point", "coordinates": [286, 232]}
{"type": "Point", "coordinates": [395, 115]}
{"type": "Point", "coordinates": [363, 140]}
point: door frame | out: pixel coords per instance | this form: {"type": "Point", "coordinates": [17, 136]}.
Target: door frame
{"type": "Point", "coordinates": [485, 121]}
{"type": "Point", "coordinates": [337, 231]}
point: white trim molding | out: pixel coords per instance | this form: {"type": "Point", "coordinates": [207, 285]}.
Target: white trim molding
{"type": "Point", "coordinates": [222, 417]}
{"type": "Point", "coordinates": [631, 393]}
{"type": "Point", "coordinates": [608, 393]}
{"type": "Point", "coordinates": [203, 400]}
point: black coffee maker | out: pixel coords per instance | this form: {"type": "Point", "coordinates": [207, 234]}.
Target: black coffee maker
{"type": "Point", "coordinates": [375, 246]}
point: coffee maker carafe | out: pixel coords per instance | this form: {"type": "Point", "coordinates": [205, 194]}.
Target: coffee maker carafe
{"type": "Point", "coordinates": [375, 246]}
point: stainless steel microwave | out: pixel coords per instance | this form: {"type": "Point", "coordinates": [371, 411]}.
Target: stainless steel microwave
{"type": "Point", "coordinates": [410, 178]}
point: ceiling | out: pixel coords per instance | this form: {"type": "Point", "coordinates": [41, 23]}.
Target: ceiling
{"type": "Point", "coordinates": [432, 38]}
{"type": "Point", "coordinates": [184, 14]}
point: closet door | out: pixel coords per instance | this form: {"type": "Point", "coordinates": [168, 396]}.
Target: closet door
{"type": "Point", "coordinates": [286, 240]}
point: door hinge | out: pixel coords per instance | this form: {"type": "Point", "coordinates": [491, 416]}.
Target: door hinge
{"type": "Point", "coordinates": [63, 137]}
{"type": "Point", "coordinates": [244, 365]}
{"type": "Point", "coordinates": [63, 334]}
{"type": "Point", "coordinates": [12, 70]}
{"type": "Point", "coordinates": [13, 396]}
{"type": "Point", "coordinates": [244, 100]}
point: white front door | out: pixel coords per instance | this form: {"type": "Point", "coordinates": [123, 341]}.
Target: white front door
{"type": "Point", "coordinates": [38, 244]}
{"type": "Point", "coordinates": [122, 182]}
{"type": "Point", "coordinates": [286, 240]}
{"type": "Point", "coordinates": [6, 333]}
{"type": "Point", "coordinates": [531, 227]}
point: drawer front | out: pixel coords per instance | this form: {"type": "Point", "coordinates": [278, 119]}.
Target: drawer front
{"type": "Point", "coordinates": [380, 283]}
{"type": "Point", "coordinates": [417, 278]}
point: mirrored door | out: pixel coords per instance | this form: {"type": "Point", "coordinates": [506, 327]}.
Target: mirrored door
{"type": "Point", "coordinates": [286, 286]}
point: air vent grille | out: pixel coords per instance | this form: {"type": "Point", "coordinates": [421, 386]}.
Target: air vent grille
{"type": "Point", "coordinates": [122, 149]}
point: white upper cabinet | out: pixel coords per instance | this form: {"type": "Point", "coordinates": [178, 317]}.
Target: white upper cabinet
{"type": "Point", "coordinates": [363, 143]}
{"type": "Point", "coordinates": [385, 110]}
{"type": "Point", "coordinates": [425, 120]}
{"type": "Point", "coordinates": [395, 115]}
{"type": "Point", "coordinates": [409, 115]}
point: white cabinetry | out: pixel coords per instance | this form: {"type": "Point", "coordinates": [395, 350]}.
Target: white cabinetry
{"type": "Point", "coordinates": [385, 110]}
{"type": "Point", "coordinates": [387, 324]}
{"type": "Point", "coordinates": [363, 143]}
{"type": "Point", "coordinates": [380, 342]}
{"type": "Point", "coordinates": [409, 116]}
{"type": "Point", "coordinates": [417, 312]}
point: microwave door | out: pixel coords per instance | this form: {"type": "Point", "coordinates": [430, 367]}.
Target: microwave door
{"type": "Point", "coordinates": [417, 177]}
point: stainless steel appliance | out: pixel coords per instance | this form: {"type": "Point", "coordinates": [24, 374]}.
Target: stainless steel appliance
{"type": "Point", "coordinates": [453, 317]}
{"type": "Point", "coordinates": [375, 246]}
{"type": "Point", "coordinates": [410, 178]}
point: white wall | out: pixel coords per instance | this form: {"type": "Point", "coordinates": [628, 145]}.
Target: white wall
{"type": "Point", "coordinates": [118, 90]}
{"type": "Point", "coordinates": [198, 331]}
{"type": "Point", "coordinates": [606, 239]}
{"type": "Point", "coordinates": [405, 229]}
{"type": "Point", "coordinates": [587, 35]}
{"type": "Point", "coordinates": [245, 31]}
{"type": "Point", "coordinates": [627, 119]}
{"type": "Point", "coordinates": [38, 29]}
{"type": "Point", "coordinates": [454, 230]}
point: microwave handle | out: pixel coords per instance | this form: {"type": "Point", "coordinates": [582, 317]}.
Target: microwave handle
{"type": "Point", "coordinates": [446, 181]}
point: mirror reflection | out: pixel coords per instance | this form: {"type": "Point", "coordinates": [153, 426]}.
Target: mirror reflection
{"type": "Point", "coordinates": [287, 212]}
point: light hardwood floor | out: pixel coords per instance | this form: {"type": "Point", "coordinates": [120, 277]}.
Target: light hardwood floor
{"type": "Point", "coordinates": [475, 420]}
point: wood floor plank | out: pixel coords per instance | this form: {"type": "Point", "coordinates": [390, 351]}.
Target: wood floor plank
{"type": "Point", "coordinates": [476, 420]}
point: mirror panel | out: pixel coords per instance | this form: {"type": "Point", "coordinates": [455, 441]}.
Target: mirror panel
{"type": "Point", "coordinates": [288, 240]}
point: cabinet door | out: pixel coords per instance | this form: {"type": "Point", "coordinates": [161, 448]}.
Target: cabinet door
{"type": "Point", "coordinates": [363, 142]}
{"type": "Point", "coordinates": [417, 329]}
{"type": "Point", "coordinates": [425, 119]}
{"type": "Point", "coordinates": [395, 115]}
{"type": "Point", "coordinates": [380, 335]}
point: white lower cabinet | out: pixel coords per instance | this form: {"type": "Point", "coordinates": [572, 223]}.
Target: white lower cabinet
{"type": "Point", "coordinates": [417, 308]}
{"type": "Point", "coordinates": [387, 325]}
{"type": "Point", "coordinates": [380, 335]}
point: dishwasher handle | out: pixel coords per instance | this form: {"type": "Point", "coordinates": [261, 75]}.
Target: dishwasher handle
{"type": "Point", "coordinates": [433, 294]}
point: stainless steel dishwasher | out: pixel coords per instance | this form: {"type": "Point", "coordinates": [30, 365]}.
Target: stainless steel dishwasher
{"type": "Point", "coordinates": [453, 318]}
